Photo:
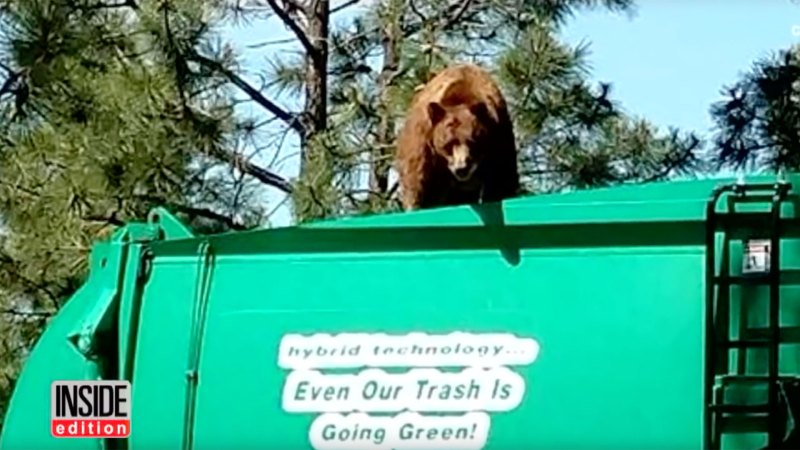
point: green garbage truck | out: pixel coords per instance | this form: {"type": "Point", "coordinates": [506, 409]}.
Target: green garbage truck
{"type": "Point", "coordinates": [654, 316]}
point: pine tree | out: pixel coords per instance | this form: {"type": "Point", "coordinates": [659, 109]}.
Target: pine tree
{"type": "Point", "coordinates": [111, 107]}
{"type": "Point", "coordinates": [570, 134]}
{"type": "Point", "coordinates": [758, 123]}
{"type": "Point", "coordinates": [573, 135]}
{"type": "Point", "coordinates": [101, 122]}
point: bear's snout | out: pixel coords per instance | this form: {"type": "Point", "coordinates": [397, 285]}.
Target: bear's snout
{"type": "Point", "coordinates": [463, 173]}
{"type": "Point", "coordinates": [461, 164]}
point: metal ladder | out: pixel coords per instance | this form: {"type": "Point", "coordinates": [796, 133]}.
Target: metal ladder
{"type": "Point", "coordinates": [720, 415]}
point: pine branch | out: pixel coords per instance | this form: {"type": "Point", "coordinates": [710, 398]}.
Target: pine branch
{"type": "Point", "coordinates": [194, 211]}
{"type": "Point", "coordinates": [344, 6]}
{"type": "Point", "coordinates": [121, 4]}
{"type": "Point", "coordinates": [288, 40]}
{"type": "Point", "coordinates": [290, 119]}
{"type": "Point", "coordinates": [448, 18]}
{"type": "Point", "coordinates": [458, 14]}
{"type": "Point", "coordinates": [207, 213]}
{"type": "Point", "coordinates": [181, 69]}
{"type": "Point", "coordinates": [16, 312]}
{"type": "Point", "coordinates": [294, 27]}
{"type": "Point", "coordinates": [686, 154]}
{"type": "Point", "coordinates": [294, 6]}
{"type": "Point", "coordinates": [415, 10]}
{"type": "Point", "coordinates": [7, 260]}
{"type": "Point", "coordinates": [263, 175]}
{"type": "Point", "coordinates": [110, 219]}
{"type": "Point", "coordinates": [8, 85]}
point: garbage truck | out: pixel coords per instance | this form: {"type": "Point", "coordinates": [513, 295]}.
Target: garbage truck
{"type": "Point", "coordinates": [657, 316]}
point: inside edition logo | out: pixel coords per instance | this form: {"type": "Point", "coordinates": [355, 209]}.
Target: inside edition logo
{"type": "Point", "coordinates": [95, 409]}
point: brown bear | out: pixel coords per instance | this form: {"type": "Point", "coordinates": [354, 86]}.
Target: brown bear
{"type": "Point", "coordinates": [457, 143]}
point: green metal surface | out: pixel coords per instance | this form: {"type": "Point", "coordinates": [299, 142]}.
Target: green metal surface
{"type": "Point", "coordinates": [609, 283]}
{"type": "Point", "coordinates": [66, 350]}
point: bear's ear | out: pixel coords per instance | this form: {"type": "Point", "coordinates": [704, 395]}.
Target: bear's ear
{"type": "Point", "coordinates": [436, 112]}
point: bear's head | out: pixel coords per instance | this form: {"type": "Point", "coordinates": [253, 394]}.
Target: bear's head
{"type": "Point", "coordinates": [458, 136]}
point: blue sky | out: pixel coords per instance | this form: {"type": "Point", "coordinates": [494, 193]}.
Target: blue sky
{"type": "Point", "coordinates": [667, 63]}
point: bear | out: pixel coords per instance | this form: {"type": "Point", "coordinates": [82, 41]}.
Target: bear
{"type": "Point", "coordinates": [457, 144]}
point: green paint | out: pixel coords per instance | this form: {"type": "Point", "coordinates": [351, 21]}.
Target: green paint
{"type": "Point", "coordinates": [610, 283]}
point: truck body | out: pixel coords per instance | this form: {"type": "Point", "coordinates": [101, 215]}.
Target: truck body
{"type": "Point", "coordinates": [659, 316]}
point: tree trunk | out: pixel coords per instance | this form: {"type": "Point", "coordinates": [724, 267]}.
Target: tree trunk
{"type": "Point", "coordinates": [381, 153]}
{"type": "Point", "coordinates": [315, 112]}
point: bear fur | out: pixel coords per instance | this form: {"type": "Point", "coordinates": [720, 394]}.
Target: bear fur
{"type": "Point", "coordinates": [457, 144]}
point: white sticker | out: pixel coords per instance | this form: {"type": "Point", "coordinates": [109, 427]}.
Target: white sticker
{"type": "Point", "coordinates": [404, 431]}
{"type": "Point", "coordinates": [350, 350]}
{"type": "Point", "coordinates": [373, 390]}
{"type": "Point", "coordinates": [756, 256]}
{"type": "Point", "coordinates": [455, 402]}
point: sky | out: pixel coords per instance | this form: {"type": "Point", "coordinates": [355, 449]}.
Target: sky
{"type": "Point", "coordinates": [667, 63]}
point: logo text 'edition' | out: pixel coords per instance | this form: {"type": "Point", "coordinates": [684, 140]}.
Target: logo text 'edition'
{"type": "Point", "coordinates": [93, 409]}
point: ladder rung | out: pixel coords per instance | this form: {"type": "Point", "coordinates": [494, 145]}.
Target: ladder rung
{"type": "Point", "coordinates": [787, 278]}
{"type": "Point", "coordinates": [742, 424]}
{"type": "Point", "coordinates": [750, 279]}
{"type": "Point", "coordinates": [739, 219]}
{"type": "Point", "coordinates": [726, 380]}
{"type": "Point", "coordinates": [750, 187]}
{"type": "Point", "coordinates": [740, 409]}
{"type": "Point", "coordinates": [730, 379]}
{"type": "Point", "coordinates": [750, 225]}
{"type": "Point", "coordinates": [747, 343]}
{"type": "Point", "coordinates": [752, 198]}
{"type": "Point", "coordinates": [788, 335]}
